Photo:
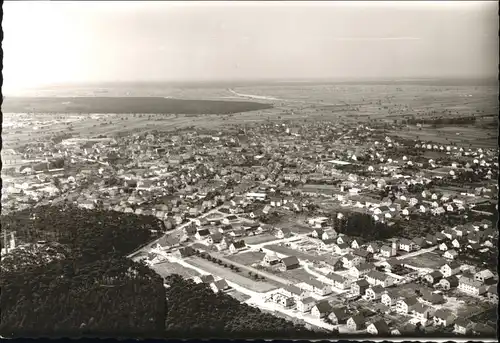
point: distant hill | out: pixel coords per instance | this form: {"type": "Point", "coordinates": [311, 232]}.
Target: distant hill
{"type": "Point", "coordinates": [144, 105]}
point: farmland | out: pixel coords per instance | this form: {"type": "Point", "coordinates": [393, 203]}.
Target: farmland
{"type": "Point", "coordinates": [426, 260]}
{"type": "Point", "coordinates": [247, 258]}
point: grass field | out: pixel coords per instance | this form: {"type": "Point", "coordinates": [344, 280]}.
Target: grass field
{"type": "Point", "coordinates": [247, 258]}
{"type": "Point", "coordinates": [168, 268]}
{"type": "Point", "coordinates": [238, 295]}
{"type": "Point", "coordinates": [292, 252]}
{"type": "Point", "coordinates": [298, 275]}
{"type": "Point", "coordinates": [264, 238]}
{"type": "Point", "coordinates": [225, 273]}
{"type": "Point", "coordinates": [426, 260]}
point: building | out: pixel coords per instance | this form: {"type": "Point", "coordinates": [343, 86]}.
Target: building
{"type": "Point", "coordinates": [293, 292]}
{"type": "Point", "coordinates": [202, 234]}
{"type": "Point", "coordinates": [443, 317]}
{"type": "Point", "coordinates": [388, 251]}
{"type": "Point", "coordinates": [406, 245]}
{"type": "Point", "coordinates": [450, 254]}
{"type": "Point", "coordinates": [449, 282]}
{"type": "Point", "coordinates": [359, 287]}
{"type": "Point", "coordinates": [450, 269]}
{"type": "Point", "coordinates": [378, 278]}
{"type": "Point", "coordinates": [219, 286]}
{"type": "Point", "coordinates": [361, 269]}
{"type": "Point", "coordinates": [470, 286]}
{"type": "Point", "coordinates": [406, 305]}
{"type": "Point", "coordinates": [270, 260]}
{"type": "Point", "coordinates": [207, 279]}
{"type": "Point", "coordinates": [237, 246]}
{"type": "Point", "coordinates": [484, 276]}
{"type": "Point", "coordinates": [462, 326]}
{"type": "Point", "coordinates": [305, 304]}
{"type": "Point", "coordinates": [378, 328]}
{"type": "Point", "coordinates": [288, 263]}
{"type": "Point", "coordinates": [338, 281]}
{"type": "Point", "coordinates": [492, 293]}
{"type": "Point", "coordinates": [356, 322]}
{"type": "Point", "coordinates": [283, 233]}
{"type": "Point", "coordinates": [389, 298]}
{"type": "Point", "coordinates": [282, 300]}
{"type": "Point", "coordinates": [374, 293]}
{"type": "Point", "coordinates": [432, 298]}
{"type": "Point", "coordinates": [338, 316]}
{"type": "Point", "coordinates": [321, 309]}
{"type": "Point", "coordinates": [434, 277]}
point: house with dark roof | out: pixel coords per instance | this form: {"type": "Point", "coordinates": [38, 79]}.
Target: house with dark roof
{"type": "Point", "coordinates": [373, 248]}
{"type": "Point", "coordinates": [378, 278]}
{"type": "Point", "coordinates": [292, 291]}
{"type": "Point", "coordinates": [237, 246]}
{"type": "Point", "coordinates": [471, 286]}
{"type": "Point", "coordinates": [202, 234]}
{"type": "Point", "coordinates": [364, 254]}
{"type": "Point", "coordinates": [356, 322]}
{"type": "Point", "coordinates": [338, 281]}
{"type": "Point", "coordinates": [321, 309]}
{"type": "Point", "coordinates": [444, 317]}
{"type": "Point", "coordinates": [219, 286]}
{"type": "Point", "coordinates": [449, 282]}
{"type": "Point", "coordinates": [406, 305]}
{"type": "Point", "coordinates": [288, 263]}
{"type": "Point", "coordinates": [492, 293]}
{"type": "Point", "coordinates": [431, 298]}
{"type": "Point", "coordinates": [207, 279]}
{"type": "Point", "coordinates": [390, 297]}
{"type": "Point", "coordinates": [450, 268]}
{"type": "Point", "coordinates": [378, 328]}
{"type": "Point", "coordinates": [373, 293]}
{"type": "Point", "coordinates": [361, 269]}
{"type": "Point", "coordinates": [462, 326]}
{"type": "Point", "coordinates": [434, 277]}
{"type": "Point", "coordinates": [338, 315]}
{"type": "Point", "coordinates": [406, 245]}
{"type": "Point", "coordinates": [359, 287]}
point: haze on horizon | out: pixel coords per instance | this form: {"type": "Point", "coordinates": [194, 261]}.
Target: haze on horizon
{"type": "Point", "coordinates": [91, 42]}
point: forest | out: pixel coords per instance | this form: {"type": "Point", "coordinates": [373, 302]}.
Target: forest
{"type": "Point", "coordinates": [76, 278]}
{"type": "Point", "coordinates": [363, 225]}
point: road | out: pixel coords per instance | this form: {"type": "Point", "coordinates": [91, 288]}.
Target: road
{"type": "Point", "coordinates": [416, 253]}
{"type": "Point", "coordinates": [177, 229]}
{"type": "Point", "coordinates": [253, 270]}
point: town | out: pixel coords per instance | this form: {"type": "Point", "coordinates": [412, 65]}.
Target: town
{"type": "Point", "coordinates": [341, 226]}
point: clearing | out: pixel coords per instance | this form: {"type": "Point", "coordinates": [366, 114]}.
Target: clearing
{"type": "Point", "coordinates": [228, 274]}
{"type": "Point", "coordinates": [168, 268]}
{"type": "Point", "coordinates": [425, 260]}
{"type": "Point", "coordinates": [247, 258]}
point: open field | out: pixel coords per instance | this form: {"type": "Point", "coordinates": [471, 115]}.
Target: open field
{"type": "Point", "coordinates": [144, 105]}
{"type": "Point", "coordinates": [298, 275]}
{"type": "Point", "coordinates": [264, 238]}
{"type": "Point", "coordinates": [167, 268]}
{"type": "Point", "coordinates": [425, 260]}
{"type": "Point", "coordinates": [225, 273]}
{"type": "Point", "coordinates": [247, 258]}
{"type": "Point", "coordinates": [238, 295]}
{"type": "Point", "coordinates": [292, 252]}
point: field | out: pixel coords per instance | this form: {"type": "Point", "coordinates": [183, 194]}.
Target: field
{"type": "Point", "coordinates": [292, 252]}
{"type": "Point", "coordinates": [425, 260]}
{"type": "Point", "coordinates": [225, 273]}
{"type": "Point", "coordinates": [144, 105]}
{"type": "Point", "coordinates": [247, 258]}
{"type": "Point", "coordinates": [298, 275]}
{"type": "Point", "coordinates": [168, 268]}
{"type": "Point", "coordinates": [264, 238]}
{"type": "Point", "coordinates": [238, 295]}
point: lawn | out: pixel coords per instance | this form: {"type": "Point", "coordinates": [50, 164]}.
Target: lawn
{"type": "Point", "coordinates": [292, 252]}
{"type": "Point", "coordinates": [298, 275]}
{"type": "Point", "coordinates": [226, 273]}
{"type": "Point", "coordinates": [247, 258]}
{"type": "Point", "coordinates": [425, 260]}
{"type": "Point", "coordinates": [264, 238]}
{"type": "Point", "coordinates": [167, 268]}
{"type": "Point", "coordinates": [238, 295]}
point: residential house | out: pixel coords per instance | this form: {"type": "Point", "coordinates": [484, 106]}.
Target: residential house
{"type": "Point", "coordinates": [444, 317]}
{"type": "Point", "coordinates": [456, 244]}
{"type": "Point", "coordinates": [223, 244]}
{"type": "Point", "coordinates": [219, 286]}
{"type": "Point", "coordinates": [206, 279]}
{"type": "Point", "coordinates": [419, 243]}
{"type": "Point", "coordinates": [305, 304]}
{"type": "Point", "coordinates": [282, 300]}
{"type": "Point", "coordinates": [338, 281]}
{"type": "Point", "coordinates": [484, 276]}
{"type": "Point", "coordinates": [351, 260]}
{"type": "Point", "coordinates": [361, 269]}
{"type": "Point", "coordinates": [270, 260]}
{"type": "Point", "coordinates": [492, 293]}
{"type": "Point", "coordinates": [356, 244]}
{"type": "Point", "coordinates": [373, 248]}
{"type": "Point", "coordinates": [321, 309]}
{"type": "Point", "coordinates": [359, 287]}
{"type": "Point", "coordinates": [390, 297]}
{"type": "Point", "coordinates": [378, 328]}
{"type": "Point", "coordinates": [378, 278]}
{"type": "Point", "coordinates": [450, 269]}
{"type": "Point", "coordinates": [462, 326]}
{"type": "Point", "coordinates": [374, 293]}
{"type": "Point", "coordinates": [356, 322]}
{"type": "Point", "coordinates": [215, 238]}
{"type": "Point", "coordinates": [471, 286]}
{"type": "Point", "coordinates": [237, 246]}
{"type": "Point", "coordinates": [434, 277]}
{"type": "Point", "coordinates": [293, 292]}
{"type": "Point", "coordinates": [341, 248]}
{"type": "Point", "coordinates": [344, 239]}
{"type": "Point", "coordinates": [202, 234]}
{"type": "Point", "coordinates": [431, 298]}
{"type": "Point", "coordinates": [338, 315]}
{"type": "Point", "coordinates": [406, 305]}
{"type": "Point", "coordinates": [421, 312]}
{"type": "Point", "coordinates": [317, 233]}
{"type": "Point", "coordinates": [406, 245]}
{"type": "Point", "coordinates": [282, 233]}
{"type": "Point", "coordinates": [329, 234]}
{"type": "Point", "coordinates": [288, 263]}
{"type": "Point", "coordinates": [190, 230]}
{"type": "Point", "coordinates": [443, 247]}
{"type": "Point", "coordinates": [449, 282]}
{"type": "Point", "coordinates": [450, 254]}
{"type": "Point", "coordinates": [431, 240]}
{"type": "Point", "coordinates": [365, 255]}
{"type": "Point", "coordinates": [387, 251]}
{"type": "Point", "coordinates": [319, 287]}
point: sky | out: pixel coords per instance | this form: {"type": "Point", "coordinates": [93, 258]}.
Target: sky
{"type": "Point", "coordinates": [59, 42]}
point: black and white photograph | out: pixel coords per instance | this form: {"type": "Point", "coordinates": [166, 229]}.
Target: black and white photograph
{"type": "Point", "coordinates": [250, 170]}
